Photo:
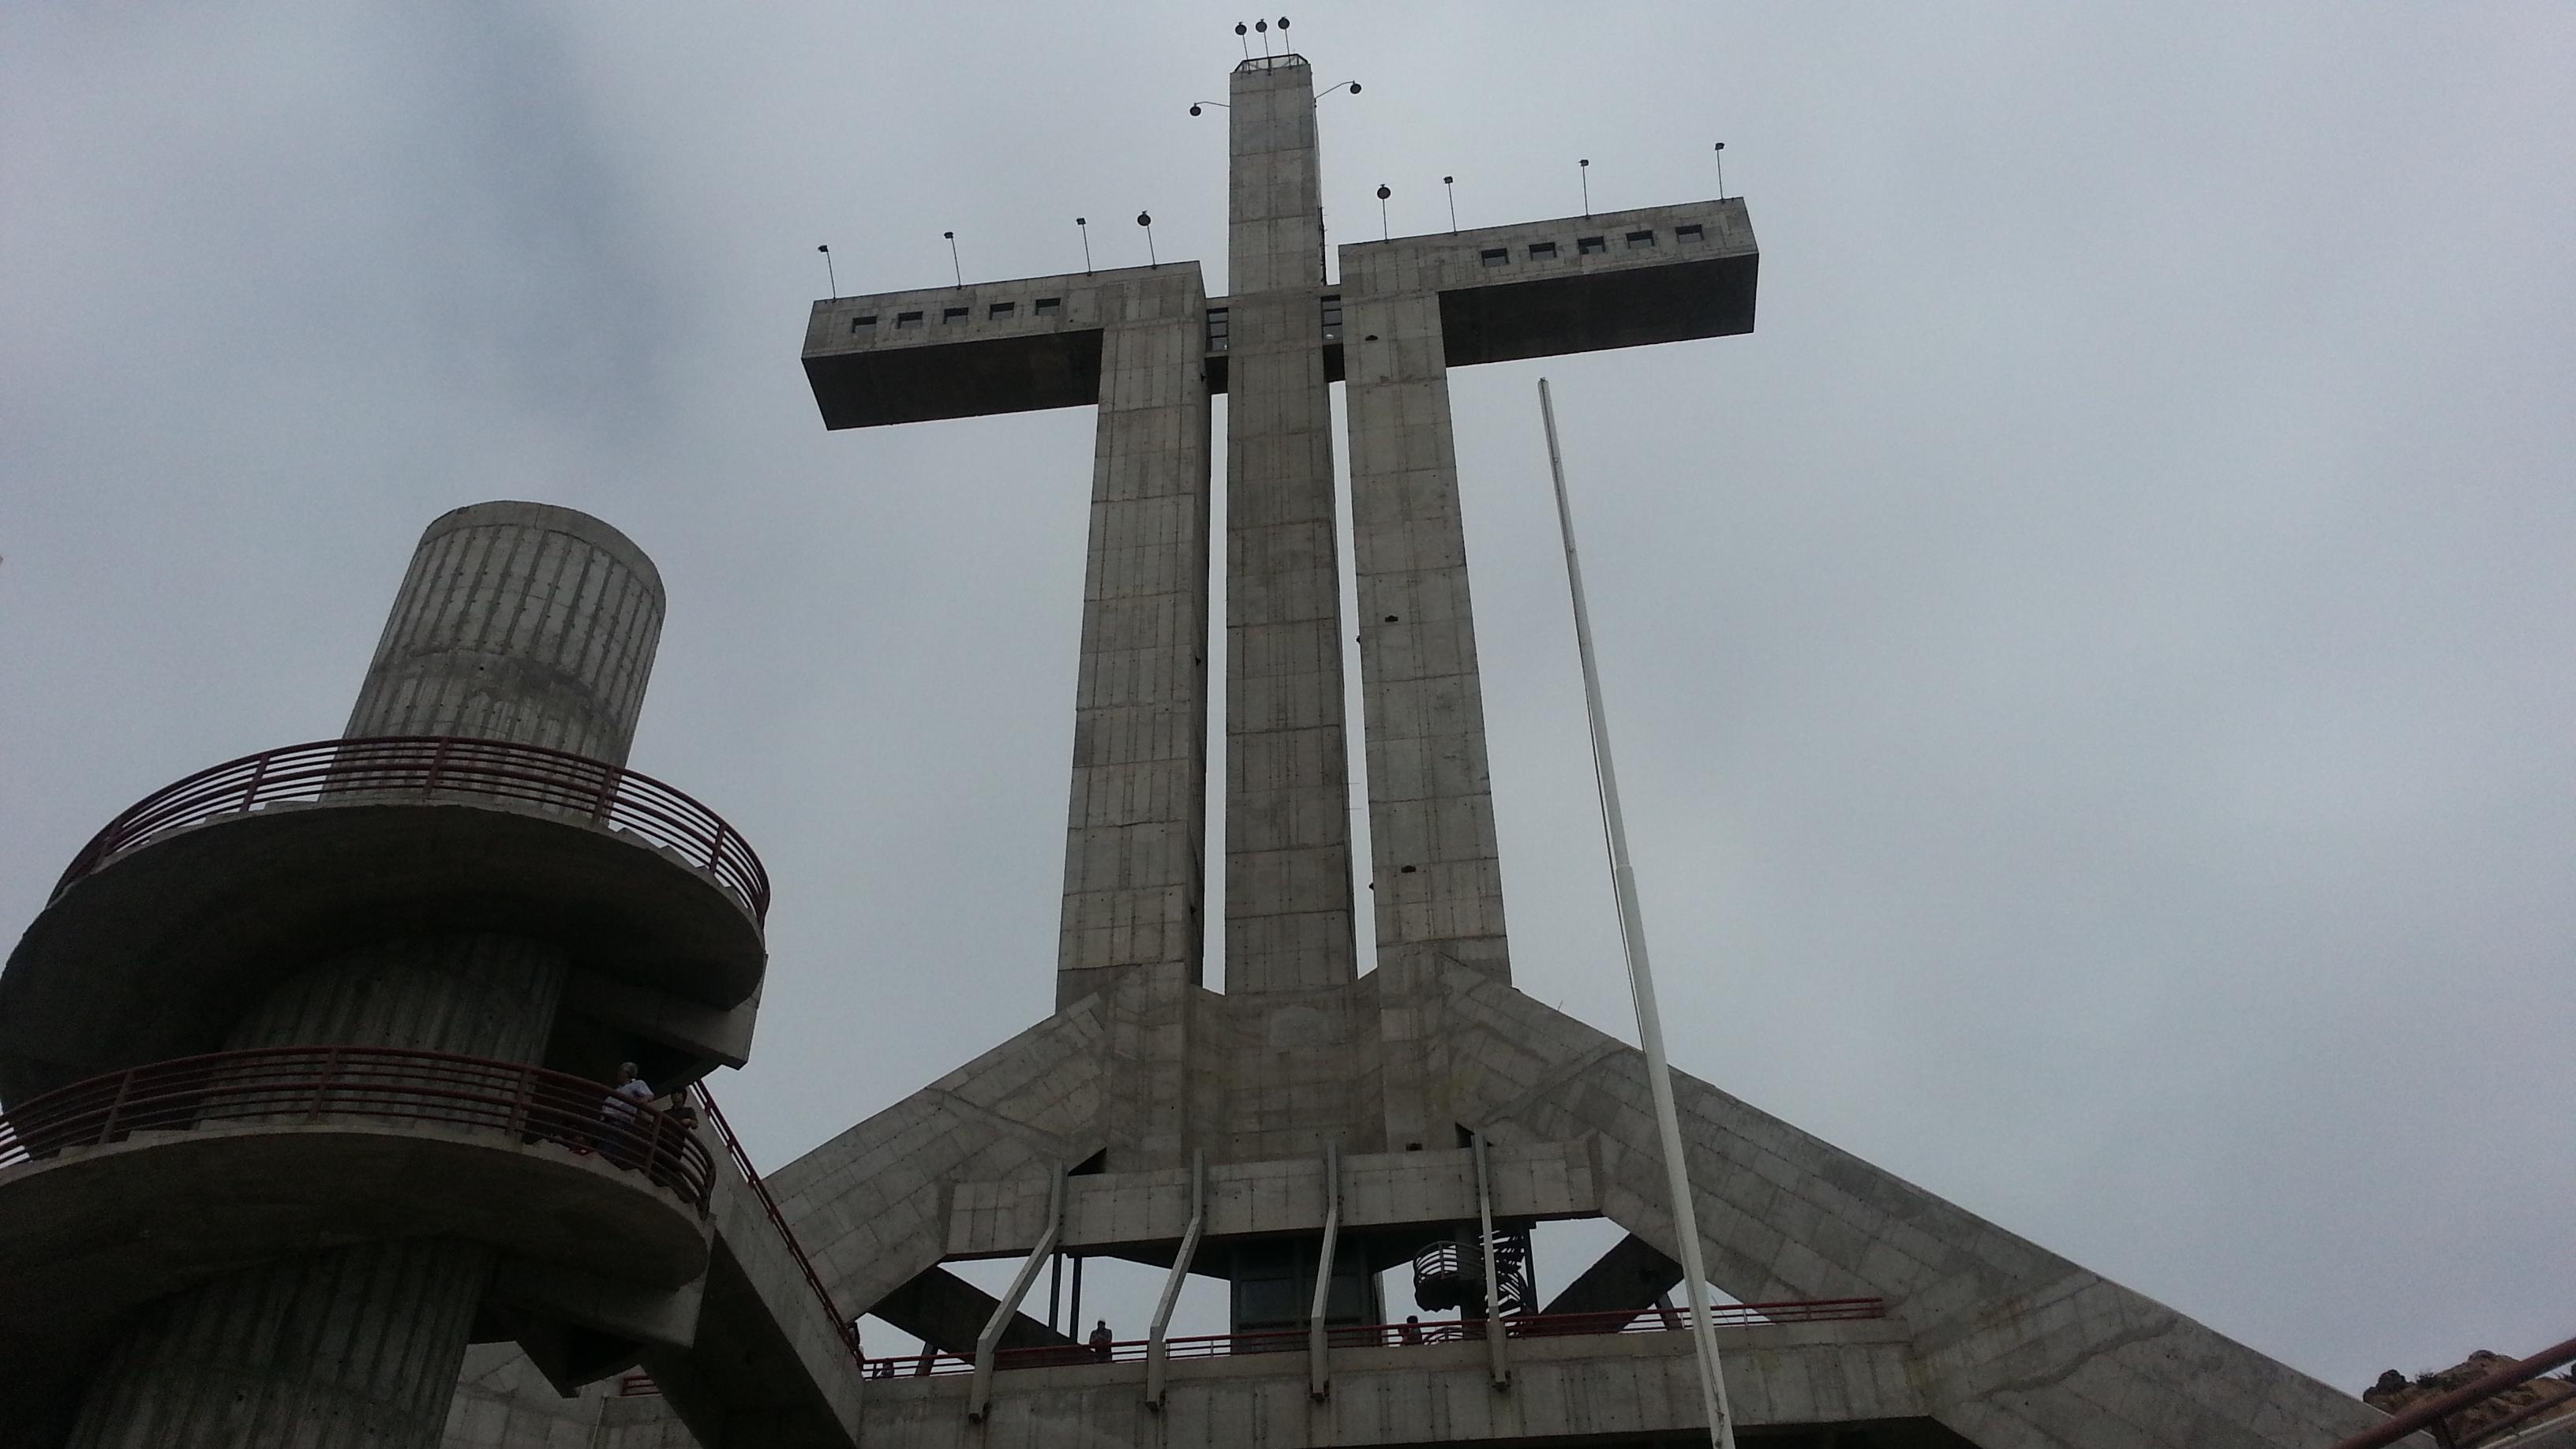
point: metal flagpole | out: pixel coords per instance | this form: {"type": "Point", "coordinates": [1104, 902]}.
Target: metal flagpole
{"type": "Point", "coordinates": [1641, 979]}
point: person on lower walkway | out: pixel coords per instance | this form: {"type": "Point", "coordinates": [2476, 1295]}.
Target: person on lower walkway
{"type": "Point", "coordinates": [1100, 1341]}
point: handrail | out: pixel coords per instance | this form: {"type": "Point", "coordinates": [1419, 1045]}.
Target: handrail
{"type": "Point", "coordinates": [284, 1086]}
{"type": "Point", "coordinates": [2433, 1411]}
{"type": "Point", "coordinates": [411, 767]}
{"type": "Point", "coordinates": [1394, 1335]}
{"type": "Point", "coordinates": [842, 1323]}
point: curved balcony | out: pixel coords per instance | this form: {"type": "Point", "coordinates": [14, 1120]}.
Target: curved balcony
{"type": "Point", "coordinates": [119, 1190]}
{"type": "Point", "coordinates": [208, 891]}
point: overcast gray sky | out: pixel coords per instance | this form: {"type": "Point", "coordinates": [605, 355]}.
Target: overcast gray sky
{"type": "Point", "coordinates": [2092, 672]}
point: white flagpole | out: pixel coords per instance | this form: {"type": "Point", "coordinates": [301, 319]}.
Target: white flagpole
{"type": "Point", "coordinates": [1641, 978]}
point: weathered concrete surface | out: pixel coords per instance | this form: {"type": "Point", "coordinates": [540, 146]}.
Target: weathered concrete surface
{"type": "Point", "coordinates": [2013, 1346]}
{"type": "Point", "coordinates": [522, 622]}
{"type": "Point", "coordinates": [871, 1205]}
{"type": "Point", "coordinates": [1585, 1389]}
{"type": "Point", "coordinates": [1136, 1213]}
{"type": "Point", "coordinates": [151, 957]}
{"type": "Point", "coordinates": [317, 1285]}
{"type": "Point", "coordinates": [94, 1231]}
{"type": "Point", "coordinates": [1632, 1274]}
{"type": "Point", "coordinates": [767, 1365]}
{"type": "Point", "coordinates": [1134, 879]}
{"type": "Point", "coordinates": [949, 1313]}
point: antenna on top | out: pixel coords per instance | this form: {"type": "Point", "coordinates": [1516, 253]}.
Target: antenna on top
{"type": "Point", "coordinates": [1264, 27]}
{"type": "Point", "coordinates": [1240, 31]}
{"type": "Point", "coordinates": [953, 263]}
{"type": "Point", "coordinates": [1585, 170]}
{"type": "Point", "coordinates": [1145, 219]}
{"type": "Point", "coordinates": [1450, 184]}
{"type": "Point", "coordinates": [1084, 225]}
{"type": "Point", "coordinates": [1382, 195]}
{"type": "Point", "coordinates": [1721, 170]}
{"type": "Point", "coordinates": [826, 250]}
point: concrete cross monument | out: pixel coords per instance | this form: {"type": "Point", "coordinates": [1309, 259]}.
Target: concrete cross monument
{"type": "Point", "coordinates": [1314, 1124]}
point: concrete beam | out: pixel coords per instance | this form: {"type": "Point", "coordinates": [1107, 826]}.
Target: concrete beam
{"type": "Point", "coordinates": [947, 1312]}
{"type": "Point", "coordinates": [1634, 1274]}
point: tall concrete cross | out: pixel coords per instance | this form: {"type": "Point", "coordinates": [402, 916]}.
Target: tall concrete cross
{"type": "Point", "coordinates": [1149, 348]}
{"type": "Point", "coordinates": [1313, 1125]}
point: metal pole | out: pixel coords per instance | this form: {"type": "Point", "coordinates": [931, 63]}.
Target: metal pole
{"type": "Point", "coordinates": [1641, 979]}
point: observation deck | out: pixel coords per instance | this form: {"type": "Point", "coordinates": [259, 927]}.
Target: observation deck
{"type": "Point", "coordinates": [128, 1187]}
{"type": "Point", "coordinates": [213, 889]}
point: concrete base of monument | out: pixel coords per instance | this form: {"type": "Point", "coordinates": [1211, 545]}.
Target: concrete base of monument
{"type": "Point", "coordinates": [1790, 1387]}
{"type": "Point", "coordinates": [148, 956]}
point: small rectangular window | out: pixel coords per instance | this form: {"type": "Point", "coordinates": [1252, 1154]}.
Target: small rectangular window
{"type": "Point", "coordinates": [1590, 246]}
{"type": "Point", "coordinates": [1332, 312]}
{"type": "Point", "coordinates": [1692, 232]}
{"type": "Point", "coordinates": [1638, 239]}
{"type": "Point", "coordinates": [954, 314]}
{"type": "Point", "coordinates": [1000, 310]}
{"type": "Point", "coordinates": [862, 324]}
{"type": "Point", "coordinates": [1542, 251]}
{"type": "Point", "coordinates": [907, 319]}
{"type": "Point", "coordinates": [1049, 306]}
{"type": "Point", "coordinates": [1220, 329]}
{"type": "Point", "coordinates": [1496, 256]}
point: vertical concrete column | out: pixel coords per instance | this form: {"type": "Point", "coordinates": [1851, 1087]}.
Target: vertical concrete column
{"type": "Point", "coordinates": [1287, 826]}
{"type": "Point", "coordinates": [1435, 870]}
{"type": "Point", "coordinates": [1275, 204]}
{"type": "Point", "coordinates": [1436, 867]}
{"type": "Point", "coordinates": [1134, 877]}
{"type": "Point", "coordinates": [519, 622]}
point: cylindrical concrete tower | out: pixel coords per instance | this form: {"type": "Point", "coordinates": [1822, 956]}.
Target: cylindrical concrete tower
{"type": "Point", "coordinates": [381, 938]}
{"type": "Point", "coordinates": [517, 622]}
{"type": "Point", "coordinates": [520, 622]}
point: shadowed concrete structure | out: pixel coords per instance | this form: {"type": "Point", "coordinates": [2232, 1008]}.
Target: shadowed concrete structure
{"type": "Point", "coordinates": [305, 1061]}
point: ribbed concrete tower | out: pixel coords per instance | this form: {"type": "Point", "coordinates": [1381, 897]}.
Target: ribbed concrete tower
{"type": "Point", "coordinates": [517, 622]}
{"type": "Point", "coordinates": [452, 922]}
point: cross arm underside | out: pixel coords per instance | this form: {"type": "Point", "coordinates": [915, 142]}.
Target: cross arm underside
{"type": "Point", "coordinates": [1574, 284]}
{"type": "Point", "coordinates": [974, 351]}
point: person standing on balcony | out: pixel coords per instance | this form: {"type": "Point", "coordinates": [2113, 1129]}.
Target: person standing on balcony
{"type": "Point", "coordinates": [617, 1132]}
{"type": "Point", "coordinates": [1100, 1341]}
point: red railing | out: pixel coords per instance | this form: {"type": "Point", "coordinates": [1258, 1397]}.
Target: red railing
{"type": "Point", "coordinates": [2431, 1413]}
{"type": "Point", "coordinates": [283, 1086]}
{"type": "Point", "coordinates": [404, 767]}
{"type": "Point", "coordinates": [843, 1323]}
{"type": "Point", "coordinates": [1391, 1335]}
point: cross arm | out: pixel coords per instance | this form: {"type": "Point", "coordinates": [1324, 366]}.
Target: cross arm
{"type": "Point", "coordinates": [994, 347]}
{"type": "Point", "coordinates": [1575, 284]}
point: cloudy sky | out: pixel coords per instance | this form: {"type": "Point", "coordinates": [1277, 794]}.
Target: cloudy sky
{"type": "Point", "coordinates": [2092, 672]}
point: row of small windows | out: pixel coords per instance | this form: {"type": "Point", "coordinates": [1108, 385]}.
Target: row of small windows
{"type": "Point", "coordinates": [1593, 246]}
{"type": "Point", "coordinates": [994, 312]}
{"type": "Point", "coordinates": [1220, 324]}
